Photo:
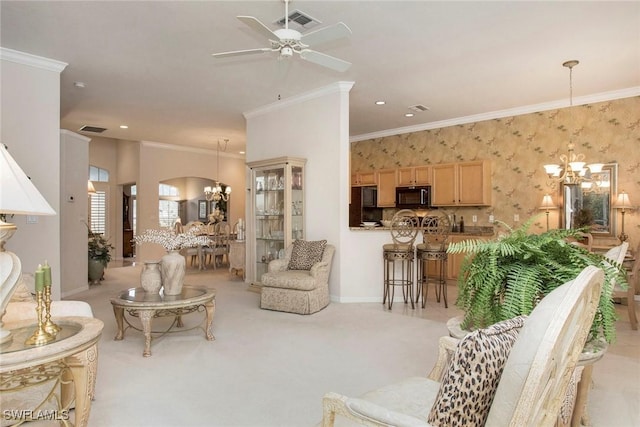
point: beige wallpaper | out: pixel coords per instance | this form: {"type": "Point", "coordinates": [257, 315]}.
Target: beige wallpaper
{"type": "Point", "coordinates": [518, 147]}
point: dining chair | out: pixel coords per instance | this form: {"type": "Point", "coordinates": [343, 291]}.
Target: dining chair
{"type": "Point", "coordinates": [219, 248]}
{"type": "Point", "coordinates": [629, 293]}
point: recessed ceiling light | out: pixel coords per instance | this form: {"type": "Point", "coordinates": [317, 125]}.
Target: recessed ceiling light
{"type": "Point", "coordinates": [81, 85]}
{"type": "Point", "coordinates": [124, 127]}
{"type": "Point", "coordinates": [380, 102]}
{"type": "Point", "coordinates": [241, 152]}
{"type": "Point", "coordinates": [408, 115]}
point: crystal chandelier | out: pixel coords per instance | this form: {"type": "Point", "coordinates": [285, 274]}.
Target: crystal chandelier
{"type": "Point", "coordinates": [215, 193]}
{"type": "Point", "coordinates": [572, 170]}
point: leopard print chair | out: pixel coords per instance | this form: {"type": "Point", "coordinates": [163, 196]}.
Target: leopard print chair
{"type": "Point", "coordinates": [299, 282]}
{"type": "Point", "coordinates": [513, 373]}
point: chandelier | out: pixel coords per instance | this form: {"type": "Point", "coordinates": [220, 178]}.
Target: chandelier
{"type": "Point", "coordinates": [573, 170]}
{"type": "Point", "coordinates": [215, 193]}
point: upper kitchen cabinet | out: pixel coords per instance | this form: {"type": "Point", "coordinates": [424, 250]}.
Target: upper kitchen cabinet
{"type": "Point", "coordinates": [416, 175]}
{"type": "Point", "coordinates": [386, 188]}
{"type": "Point", "coordinates": [461, 184]}
{"type": "Point", "coordinates": [363, 178]}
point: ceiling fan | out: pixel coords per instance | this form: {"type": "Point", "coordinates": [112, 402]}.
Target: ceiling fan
{"type": "Point", "coordinates": [287, 41]}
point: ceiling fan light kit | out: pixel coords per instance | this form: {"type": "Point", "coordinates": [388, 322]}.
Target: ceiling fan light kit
{"type": "Point", "coordinates": [287, 41]}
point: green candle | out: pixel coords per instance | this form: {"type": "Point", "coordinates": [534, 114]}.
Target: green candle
{"type": "Point", "coordinates": [47, 273]}
{"type": "Point", "coordinates": [39, 279]}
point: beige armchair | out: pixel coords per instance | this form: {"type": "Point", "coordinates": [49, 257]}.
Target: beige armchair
{"type": "Point", "coordinates": [298, 291]}
{"type": "Point", "coordinates": [497, 376]}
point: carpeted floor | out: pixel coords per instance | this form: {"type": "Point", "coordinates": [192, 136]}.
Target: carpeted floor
{"type": "Point", "coordinates": [268, 368]}
{"type": "Point", "coordinates": [265, 368]}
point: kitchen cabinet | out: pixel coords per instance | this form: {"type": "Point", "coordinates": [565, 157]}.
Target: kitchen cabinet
{"type": "Point", "coordinates": [415, 175]}
{"type": "Point", "coordinates": [363, 178]}
{"type": "Point", "coordinates": [276, 211]}
{"type": "Point", "coordinates": [454, 261]}
{"type": "Point", "coordinates": [461, 184]}
{"type": "Point", "coordinates": [386, 187]}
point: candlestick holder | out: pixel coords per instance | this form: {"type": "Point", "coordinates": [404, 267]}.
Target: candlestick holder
{"type": "Point", "coordinates": [49, 326]}
{"type": "Point", "coordinates": [39, 336]}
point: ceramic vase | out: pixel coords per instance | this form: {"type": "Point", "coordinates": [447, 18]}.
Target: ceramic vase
{"type": "Point", "coordinates": [150, 278]}
{"type": "Point", "coordinates": [173, 269]}
{"type": "Point", "coordinates": [96, 270]}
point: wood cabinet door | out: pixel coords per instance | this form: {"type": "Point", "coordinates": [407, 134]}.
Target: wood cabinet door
{"type": "Point", "coordinates": [363, 178]}
{"type": "Point", "coordinates": [386, 188]}
{"type": "Point", "coordinates": [422, 175]}
{"type": "Point", "coordinates": [406, 176]}
{"type": "Point", "coordinates": [443, 185]}
{"type": "Point", "coordinates": [474, 183]}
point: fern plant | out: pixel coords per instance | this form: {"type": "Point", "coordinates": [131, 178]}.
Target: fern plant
{"type": "Point", "coordinates": [506, 277]}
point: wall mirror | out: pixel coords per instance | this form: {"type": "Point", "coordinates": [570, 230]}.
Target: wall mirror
{"type": "Point", "coordinates": [589, 204]}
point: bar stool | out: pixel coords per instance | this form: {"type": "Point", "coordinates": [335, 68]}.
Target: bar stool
{"type": "Point", "coordinates": [404, 229]}
{"type": "Point", "coordinates": [435, 233]}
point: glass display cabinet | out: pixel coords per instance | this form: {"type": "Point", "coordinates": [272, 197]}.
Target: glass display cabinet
{"type": "Point", "coordinates": [276, 209]}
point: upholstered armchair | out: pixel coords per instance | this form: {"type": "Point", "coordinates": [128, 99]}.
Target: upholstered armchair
{"type": "Point", "coordinates": [299, 282]}
{"type": "Point", "coordinates": [516, 372]}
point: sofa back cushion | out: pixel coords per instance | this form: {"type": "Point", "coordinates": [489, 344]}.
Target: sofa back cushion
{"type": "Point", "coordinates": [470, 381]}
{"type": "Point", "coordinates": [305, 254]}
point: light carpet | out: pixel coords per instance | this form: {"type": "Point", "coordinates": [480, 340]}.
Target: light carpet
{"type": "Point", "coordinates": [265, 368]}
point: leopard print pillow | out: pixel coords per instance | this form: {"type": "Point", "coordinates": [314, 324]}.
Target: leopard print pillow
{"type": "Point", "coordinates": [469, 384]}
{"type": "Point", "coordinates": [304, 254]}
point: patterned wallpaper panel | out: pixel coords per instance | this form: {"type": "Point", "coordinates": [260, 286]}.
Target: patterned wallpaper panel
{"type": "Point", "coordinates": [518, 146]}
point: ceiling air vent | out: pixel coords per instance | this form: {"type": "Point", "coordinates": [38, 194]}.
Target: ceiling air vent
{"type": "Point", "coordinates": [299, 21]}
{"type": "Point", "coordinates": [418, 108]}
{"type": "Point", "coordinates": [93, 129]}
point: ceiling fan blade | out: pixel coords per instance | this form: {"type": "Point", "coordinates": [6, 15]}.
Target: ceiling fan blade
{"type": "Point", "coordinates": [325, 60]}
{"type": "Point", "coordinates": [242, 52]}
{"type": "Point", "coordinates": [325, 34]}
{"type": "Point", "coordinates": [259, 27]}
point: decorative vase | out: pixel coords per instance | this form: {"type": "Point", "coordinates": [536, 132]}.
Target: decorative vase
{"type": "Point", "coordinates": [96, 270]}
{"type": "Point", "coordinates": [150, 278]}
{"type": "Point", "coordinates": [172, 267]}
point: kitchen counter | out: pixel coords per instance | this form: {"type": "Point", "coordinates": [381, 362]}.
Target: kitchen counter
{"type": "Point", "coordinates": [469, 231]}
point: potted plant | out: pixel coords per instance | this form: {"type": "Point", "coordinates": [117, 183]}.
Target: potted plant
{"type": "Point", "coordinates": [99, 255]}
{"type": "Point", "coordinates": [507, 276]}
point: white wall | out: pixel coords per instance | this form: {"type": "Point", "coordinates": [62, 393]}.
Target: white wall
{"type": "Point", "coordinates": [74, 158]}
{"type": "Point", "coordinates": [315, 126]}
{"type": "Point", "coordinates": [29, 126]}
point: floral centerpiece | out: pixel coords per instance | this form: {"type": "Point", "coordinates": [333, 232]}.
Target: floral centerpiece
{"type": "Point", "coordinates": [171, 241]}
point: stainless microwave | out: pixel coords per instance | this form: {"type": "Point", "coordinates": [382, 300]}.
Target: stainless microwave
{"type": "Point", "coordinates": [413, 197]}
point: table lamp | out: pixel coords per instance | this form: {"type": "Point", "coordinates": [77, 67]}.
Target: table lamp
{"type": "Point", "coordinates": [18, 196]}
{"type": "Point", "coordinates": [547, 204]}
{"type": "Point", "coordinates": [622, 202]}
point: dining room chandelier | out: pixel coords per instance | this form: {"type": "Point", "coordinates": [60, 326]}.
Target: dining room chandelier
{"type": "Point", "coordinates": [214, 193]}
{"type": "Point", "coordinates": [572, 170]}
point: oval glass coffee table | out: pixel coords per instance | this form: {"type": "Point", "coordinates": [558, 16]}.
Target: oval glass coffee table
{"type": "Point", "coordinates": [138, 303]}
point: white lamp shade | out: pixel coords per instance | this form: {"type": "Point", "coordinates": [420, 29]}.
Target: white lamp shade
{"type": "Point", "coordinates": [18, 195]}
{"type": "Point", "coordinates": [551, 169]}
{"type": "Point", "coordinates": [595, 167]}
{"type": "Point", "coordinates": [547, 202]}
{"type": "Point", "coordinates": [90, 188]}
{"type": "Point", "coordinates": [622, 201]}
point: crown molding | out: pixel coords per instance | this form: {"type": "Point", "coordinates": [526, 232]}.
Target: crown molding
{"type": "Point", "coordinates": [185, 149]}
{"type": "Point", "coordinates": [536, 108]}
{"type": "Point", "coordinates": [341, 86]}
{"type": "Point", "coordinates": [31, 60]}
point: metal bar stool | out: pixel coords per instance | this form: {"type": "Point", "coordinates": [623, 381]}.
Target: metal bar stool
{"type": "Point", "coordinates": [404, 228]}
{"type": "Point", "coordinates": [435, 233]}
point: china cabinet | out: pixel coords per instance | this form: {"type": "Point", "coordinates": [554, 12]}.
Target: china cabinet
{"type": "Point", "coordinates": [276, 211]}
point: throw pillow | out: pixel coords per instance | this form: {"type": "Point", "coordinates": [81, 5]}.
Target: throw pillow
{"type": "Point", "coordinates": [304, 254]}
{"type": "Point", "coordinates": [469, 384]}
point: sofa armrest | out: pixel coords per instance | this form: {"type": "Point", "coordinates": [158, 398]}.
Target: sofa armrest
{"type": "Point", "coordinates": [278, 265]}
{"type": "Point", "coordinates": [379, 415]}
{"type": "Point", "coordinates": [446, 346]}
{"type": "Point", "coordinates": [319, 267]}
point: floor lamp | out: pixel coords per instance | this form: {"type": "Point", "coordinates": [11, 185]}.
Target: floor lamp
{"type": "Point", "coordinates": [18, 196]}
{"type": "Point", "coordinates": [547, 204]}
{"type": "Point", "coordinates": [622, 203]}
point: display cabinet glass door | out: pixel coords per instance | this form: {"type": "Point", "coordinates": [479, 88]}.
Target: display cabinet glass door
{"type": "Point", "coordinates": [277, 210]}
{"type": "Point", "coordinates": [269, 205]}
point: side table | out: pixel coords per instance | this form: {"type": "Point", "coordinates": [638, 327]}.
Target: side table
{"type": "Point", "coordinates": [72, 356]}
